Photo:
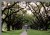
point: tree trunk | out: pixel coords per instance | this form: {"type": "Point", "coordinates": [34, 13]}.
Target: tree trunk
{"type": "Point", "coordinates": [12, 27]}
{"type": "Point", "coordinates": [8, 27]}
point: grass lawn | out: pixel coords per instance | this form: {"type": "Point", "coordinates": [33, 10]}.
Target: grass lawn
{"type": "Point", "coordinates": [15, 32]}
{"type": "Point", "coordinates": [36, 32]}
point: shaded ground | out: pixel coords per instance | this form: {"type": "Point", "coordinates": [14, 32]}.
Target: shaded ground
{"type": "Point", "coordinates": [29, 32]}
{"type": "Point", "coordinates": [37, 32]}
{"type": "Point", "coordinates": [15, 32]}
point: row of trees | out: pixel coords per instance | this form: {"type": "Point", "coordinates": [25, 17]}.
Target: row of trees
{"type": "Point", "coordinates": [16, 16]}
{"type": "Point", "coordinates": [41, 14]}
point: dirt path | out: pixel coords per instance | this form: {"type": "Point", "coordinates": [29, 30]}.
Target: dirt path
{"type": "Point", "coordinates": [24, 33]}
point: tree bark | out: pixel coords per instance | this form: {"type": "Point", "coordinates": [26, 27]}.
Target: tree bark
{"type": "Point", "coordinates": [8, 27]}
{"type": "Point", "coordinates": [12, 27]}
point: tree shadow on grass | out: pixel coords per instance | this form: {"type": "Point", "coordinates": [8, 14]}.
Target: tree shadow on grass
{"type": "Point", "coordinates": [4, 31]}
{"type": "Point", "coordinates": [48, 31]}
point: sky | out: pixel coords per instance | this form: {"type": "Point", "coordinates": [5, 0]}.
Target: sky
{"type": "Point", "coordinates": [24, 0]}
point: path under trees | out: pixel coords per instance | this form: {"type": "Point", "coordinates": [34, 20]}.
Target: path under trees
{"type": "Point", "coordinates": [41, 21]}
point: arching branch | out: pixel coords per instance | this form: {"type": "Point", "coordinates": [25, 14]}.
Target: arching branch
{"type": "Point", "coordinates": [8, 7]}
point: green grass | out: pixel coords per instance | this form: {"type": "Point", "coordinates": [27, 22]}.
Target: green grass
{"type": "Point", "coordinates": [37, 32]}
{"type": "Point", "coordinates": [15, 32]}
